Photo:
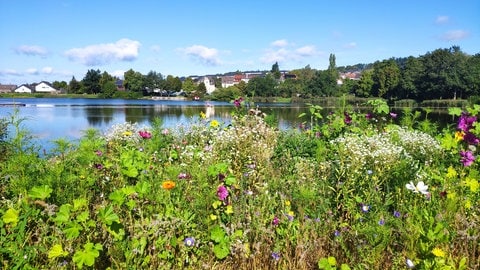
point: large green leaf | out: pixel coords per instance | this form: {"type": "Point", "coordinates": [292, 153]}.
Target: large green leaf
{"type": "Point", "coordinates": [40, 192]}
{"type": "Point", "coordinates": [88, 255]}
{"type": "Point", "coordinates": [11, 217]}
{"type": "Point", "coordinates": [107, 216]}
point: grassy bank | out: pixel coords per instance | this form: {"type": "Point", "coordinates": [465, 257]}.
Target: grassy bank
{"type": "Point", "coordinates": [349, 191]}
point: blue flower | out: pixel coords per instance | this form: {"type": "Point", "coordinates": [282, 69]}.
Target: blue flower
{"type": "Point", "coordinates": [396, 214]}
{"type": "Point", "coordinates": [189, 241]}
{"type": "Point", "coordinates": [275, 256]}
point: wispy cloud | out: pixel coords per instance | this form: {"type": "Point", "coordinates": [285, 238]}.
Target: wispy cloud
{"type": "Point", "coordinates": [99, 54]}
{"type": "Point", "coordinates": [282, 51]}
{"type": "Point", "coordinates": [31, 50]}
{"type": "Point", "coordinates": [205, 55]}
{"type": "Point", "coordinates": [280, 43]}
{"type": "Point", "coordinates": [454, 35]}
{"type": "Point", "coordinates": [442, 19]}
{"type": "Point", "coordinates": [10, 72]}
{"type": "Point", "coordinates": [350, 45]}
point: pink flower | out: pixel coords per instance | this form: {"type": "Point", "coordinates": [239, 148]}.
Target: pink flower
{"type": "Point", "coordinates": [145, 134]}
{"type": "Point", "coordinates": [275, 221]}
{"type": "Point", "coordinates": [467, 158]}
{"type": "Point", "coordinates": [222, 193]}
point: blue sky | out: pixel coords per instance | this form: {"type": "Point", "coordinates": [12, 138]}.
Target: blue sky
{"type": "Point", "coordinates": [57, 39]}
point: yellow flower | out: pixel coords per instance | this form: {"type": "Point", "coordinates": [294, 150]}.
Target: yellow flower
{"type": "Point", "coordinates": [439, 252]}
{"type": "Point", "coordinates": [203, 115]}
{"type": "Point", "coordinates": [451, 195]}
{"type": "Point", "coordinates": [291, 213]}
{"type": "Point", "coordinates": [287, 203]}
{"type": "Point", "coordinates": [451, 173]}
{"type": "Point", "coordinates": [213, 217]}
{"type": "Point", "coordinates": [214, 123]}
{"type": "Point", "coordinates": [472, 184]}
{"type": "Point", "coordinates": [168, 184]}
{"type": "Point", "coordinates": [459, 135]}
{"type": "Point", "coordinates": [127, 133]}
{"type": "Point", "coordinates": [229, 209]}
{"type": "Point", "coordinates": [468, 204]}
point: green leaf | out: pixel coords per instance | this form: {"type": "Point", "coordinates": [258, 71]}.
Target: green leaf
{"type": "Point", "coordinates": [344, 267]}
{"type": "Point", "coordinates": [57, 251]}
{"type": "Point", "coordinates": [332, 261]}
{"type": "Point", "coordinates": [142, 187]}
{"type": "Point", "coordinates": [40, 192]}
{"type": "Point", "coordinates": [221, 250]}
{"type": "Point", "coordinates": [11, 216]}
{"type": "Point", "coordinates": [79, 203]}
{"type": "Point", "coordinates": [63, 214]}
{"type": "Point", "coordinates": [217, 234]}
{"type": "Point", "coordinates": [72, 230]}
{"type": "Point", "coordinates": [128, 190]}
{"type": "Point", "coordinates": [117, 197]}
{"type": "Point", "coordinates": [107, 216]}
{"type": "Point", "coordinates": [130, 171]}
{"type": "Point", "coordinates": [323, 263]}
{"type": "Point", "coordinates": [83, 216]}
{"type": "Point", "coordinates": [88, 255]}
{"type": "Point", "coordinates": [455, 111]}
{"type": "Point", "coordinates": [230, 180]}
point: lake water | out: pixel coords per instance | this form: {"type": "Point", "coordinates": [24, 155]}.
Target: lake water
{"type": "Point", "coordinates": [54, 118]}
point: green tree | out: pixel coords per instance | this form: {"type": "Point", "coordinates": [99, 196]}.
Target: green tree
{"type": "Point", "coordinates": [472, 77]}
{"type": "Point", "coordinates": [364, 87]}
{"type": "Point", "coordinates": [109, 89]}
{"type": "Point", "coordinates": [173, 83]}
{"type": "Point", "coordinates": [262, 86]}
{"type": "Point", "coordinates": [410, 78]}
{"type": "Point", "coordinates": [153, 80]}
{"type": "Point", "coordinates": [189, 86]}
{"type": "Point", "coordinates": [134, 81]}
{"type": "Point", "coordinates": [276, 71]}
{"type": "Point", "coordinates": [91, 82]}
{"type": "Point", "coordinates": [60, 85]}
{"type": "Point", "coordinates": [386, 76]}
{"type": "Point", "coordinates": [74, 86]}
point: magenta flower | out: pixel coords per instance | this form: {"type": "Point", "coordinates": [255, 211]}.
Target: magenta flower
{"type": "Point", "coordinates": [470, 138]}
{"type": "Point", "coordinates": [465, 123]}
{"type": "Point", "coordinates": [145, 134]}
{"type": "Point", "coordinates": [467, 158]}
{"type": "Point", "coordinates": [369, 116]}
{"type": "Point", "coordinates": [275, 221]}
{"type": "Point", "coordinates": [347, 119]}
{"type": "Point", "coordinates": [99, 153]}
{"type": "Point", "coordinates": [222, 193]}
{"type": "Point", "coordinates": [393, 115]}
{"type": "Point", "coordinates": [238, 102]}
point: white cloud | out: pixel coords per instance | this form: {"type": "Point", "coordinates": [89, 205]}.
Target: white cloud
{"type": "Point", "coordinates": [10, 72]}
{"type": "Point", "coordinates": [31, 50]}
{"type": "Point", "coordinates": [306, 51]}
{"type": "Point", "coordinates": [47, 70]}
{"type": "Point", "coordinates": [281, 54]}
{"type": "Point", "coordinates": [280, 43]}
{"type": "Point", "coordinates": [208, 56]}
{"type": "Point", "coordinates": [454, 35]}
{"type": "Point", "coordinates": [442, 19]}
{"type": "Point", "coordinates": [95, 55]}
{"type": "Point", "coordinates": [32, 71]}
{"type": "Point", "coordinates": [350, 45]}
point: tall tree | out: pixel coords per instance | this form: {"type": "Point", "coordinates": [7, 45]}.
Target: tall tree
{"type": "Point", "coordinates": [134, 81]}
{"type": "Point", "coordinates": [74, 86]}
{"type": "Point", "coordinates": [410, 77]}
{"type": "Point", "coordinates": [276, 71]}
{"type": "Point", "coordinates": [364, 88]}
{"type": "Point", "coordinates": [386, 76]}
{"type": "Point", "coordinates": [91, 82]}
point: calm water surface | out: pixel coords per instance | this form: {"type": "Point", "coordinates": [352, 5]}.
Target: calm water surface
{"type": "Point", "coordinates": [54, 118]}
{"type": "Point", "coordinates": [49, 119]}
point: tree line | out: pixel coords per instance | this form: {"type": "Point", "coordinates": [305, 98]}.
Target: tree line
{"type": "Point", "coordinates": [440, 74]}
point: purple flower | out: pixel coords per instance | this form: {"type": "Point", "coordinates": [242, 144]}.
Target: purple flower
{"type": "Point", "coordinates": [98, 166]}
{"type": "Point", "coordinates": [467, 158]}
{"type": "Point", "coordinates": [222, 193]}
{"type": "Point", "coordinates": [368, 116]}
{"type": "Point", "coordinates": [238, 102]}
{"type": "Point", "coordinates": [470, 138]}
{"type": "Point", "coordinates": [381, 222]}
{"type": "Point", "coordinates": [466, 122]}
{"type": "Point", "coordinates": [336, 233]}
{"type": "Point", "coordinates": [393, 115]}
{"type": "Point", "coordinates": [276, 256]}
{"type": "Point", "coordinates": [189, 241]}
{"type": "Point", "coordinates": [99, 153]}
{"type": "Point", "coordinates": [275, 221]}
{"type": "Point", "coordinates": [396, 214]}
{"type": "Point", "coordinates": [183, 176]}
{"type": "Point", "coordinates": [347, 119]}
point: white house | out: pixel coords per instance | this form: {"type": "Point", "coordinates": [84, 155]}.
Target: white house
{"type": "Point", "coordinates": [23, 89]}
{"type": "Point", "coordinates": [209, 84]}
{"type": "Point", "coordinates": [44, 87]}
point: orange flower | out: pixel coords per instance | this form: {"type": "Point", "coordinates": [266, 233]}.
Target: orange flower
{"type": "Point", "coordinates": [168, 184]}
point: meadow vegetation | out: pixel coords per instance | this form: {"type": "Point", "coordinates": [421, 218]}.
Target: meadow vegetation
{"type": "Point", "coordinates": [346, 191]}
